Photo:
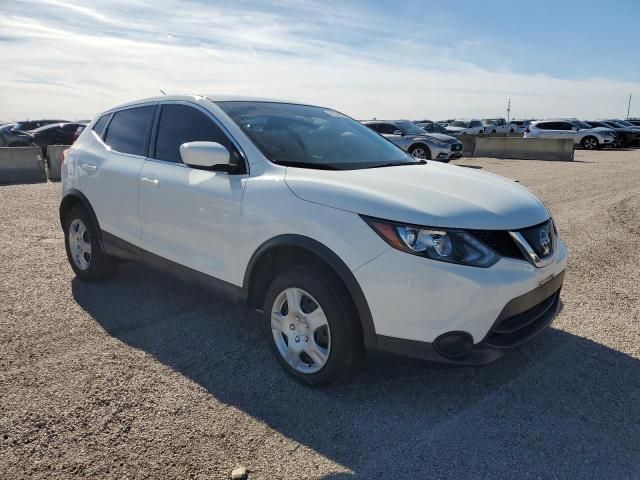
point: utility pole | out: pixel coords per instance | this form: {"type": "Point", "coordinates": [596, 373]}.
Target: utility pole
{"type": "Point", "coordinates": [629, 106]}
{"type": "Point", "coordinates": [509, 110]}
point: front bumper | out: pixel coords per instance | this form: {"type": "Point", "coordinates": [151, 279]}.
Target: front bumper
{"type": "Point", "coordinates": [445, 152]}
{"type": "Point", "coordinates": [415, 301]}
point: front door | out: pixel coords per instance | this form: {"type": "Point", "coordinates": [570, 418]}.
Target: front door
{"type": "Point", "coordinates": [189, 215]}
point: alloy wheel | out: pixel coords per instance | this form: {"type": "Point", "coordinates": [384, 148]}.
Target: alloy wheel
{"type": "Point", "coordinates": [419, 153]}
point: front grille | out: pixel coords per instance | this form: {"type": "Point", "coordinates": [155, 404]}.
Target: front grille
{"type": "Point", "coordinates": [517, 329]}
{"type": "Point", "coordinates": [500, 241]}
{"type": "Point", "coordinates": [534, 236]}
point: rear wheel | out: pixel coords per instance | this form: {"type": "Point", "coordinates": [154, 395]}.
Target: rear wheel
{"type": "Point", "coordinates": [86, 257]}
{"type": "Point", "coordinates": [420, 151]}
{"type": "Point", "coordinates": [590, 143]}
{"type": "Point", "coordinates": [311, 327]}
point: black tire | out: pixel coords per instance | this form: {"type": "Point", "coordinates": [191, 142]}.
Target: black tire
{"type": "Point", "coordinates": [423, 147]}
{"type": "Point", "coordinates": [100, 265]}
{"type": "Point", "coordinates": [590, 143]}
{"type": "Point", "coordinates": [346, 350]}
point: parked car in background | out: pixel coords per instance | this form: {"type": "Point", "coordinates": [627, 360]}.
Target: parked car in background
{"type": "Point", "coordinates": [463, 126]}
{"type": "Point", "coordinates": [432, 128]}
{"type": "Point", "coordinates": [344, 244]}
{"type": "Point", "coordinates": [5, 128]}
{"type": "Point", "coordinates": [520, 125]}
{"type": "Point", "coordinates": [415, 141]}
{"type": "Point", "coordinates": [78, 131]}
{"type": "Point", "coordinates": [634, 121]}
{"type": "Point", "coordinates": [497, 125]}
{"type": "Point", "coordinates": [14, 136]}
{"type": "Point", "coordinates": [625, 123]}
{"type": "Point", "coordinates": [56, 134]}
{"type": "Point", "coordinates": [53, 134]}
{"type": "Point", "coordinates": [581, 133]}
{"type": "Point", "coordinates": [626, 136]}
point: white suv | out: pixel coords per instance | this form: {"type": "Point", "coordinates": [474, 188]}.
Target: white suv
{"type": "Point", "coordinates": [344, 243]}
{"type": "Point", "coordinates": [581, 133]}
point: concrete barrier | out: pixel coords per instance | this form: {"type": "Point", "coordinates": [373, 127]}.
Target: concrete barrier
{"type": "Point", "coordinates": [21, 165]}
{"type": "Point", "coordinates": [54, 160]}
{"type": "Point", "coordinates": [468, 144]}
{"type": "Point", "coordinates": [524, 148]}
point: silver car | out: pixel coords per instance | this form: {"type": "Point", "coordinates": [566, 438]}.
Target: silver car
{"type": "Point", "coordinates": [417, 142]}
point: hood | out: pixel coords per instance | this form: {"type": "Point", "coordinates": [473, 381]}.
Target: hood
{"type": "Point", "coordinates": [435, 194]}
{"type": "Point", "coordinates": [442, 137]}
{"type": "Point", "coordinates": [434, 137]}
{"type": "Point", "coordinates": [598, 129]}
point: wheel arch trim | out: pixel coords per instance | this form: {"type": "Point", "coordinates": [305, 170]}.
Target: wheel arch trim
{"type": "Point", "coordinates": [332, 260]}
{"type": "Point", "coordinates": [76, 196]}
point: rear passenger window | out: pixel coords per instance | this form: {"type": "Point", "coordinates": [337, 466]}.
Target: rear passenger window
{"type": "Point", "coordinates": [181, 124]}
{"type": "Point", "coordinates": [128, 128]}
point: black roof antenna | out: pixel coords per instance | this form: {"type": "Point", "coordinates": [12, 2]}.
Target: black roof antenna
{"type": "Point", "coordinates": [162, 92]}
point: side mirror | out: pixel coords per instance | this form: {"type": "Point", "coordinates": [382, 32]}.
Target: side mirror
{"type": "Point", "coordinates": [575, 129]}
{"type": "Point", "coordinates": [397, 132]}
{"type": "Point", "coordinates": [205, 155]}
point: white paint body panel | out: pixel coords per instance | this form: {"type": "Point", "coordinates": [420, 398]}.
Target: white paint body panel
{"type": "Point", "coordinates": [419, 299]}
{"type": "Point", "coordinates": [435, 194]}
{"type": "Point", "coordinates": [213, 223]}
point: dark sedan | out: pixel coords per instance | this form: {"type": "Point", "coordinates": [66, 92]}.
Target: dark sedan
{"type": "Point", "coordinates": [15, 136]}
{"type": "Point", "coordinates": [627, 136]}
{"type": "Point", "coordinates": [55, 134]}
{"type": "Point", "coordinates": [432, 127]}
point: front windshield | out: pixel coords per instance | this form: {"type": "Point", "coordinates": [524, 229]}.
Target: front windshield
{"type": "Point", "coordinates": [490, 121]}
{"type": "Point", "coordinates": [624, 123]}
{"type": "Point", "coordinates": [409, 128]}
{"type": "Point", "coordinates": [313, 137]}
{"type": "Point", "coordinates": [459, 123]}
{"type": "Point", "coordinates": [614, 124]}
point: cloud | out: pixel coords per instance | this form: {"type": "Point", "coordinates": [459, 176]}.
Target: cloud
{"type": "Point", "coordinates": [73, 60]}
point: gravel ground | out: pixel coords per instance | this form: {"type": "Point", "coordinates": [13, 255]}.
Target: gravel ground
{"type": "Point", "coordinates": [144, 377]}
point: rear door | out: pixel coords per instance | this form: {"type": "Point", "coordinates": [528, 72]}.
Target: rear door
{"type": "Point", "coordinates": [549, 130]}
{"type": "Point", "coordinates": [108, 173]}
{"type": "Point", "coordinates": [190, 216]}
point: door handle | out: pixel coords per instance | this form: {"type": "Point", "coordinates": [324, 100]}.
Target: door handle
{"type": "Point", "coordinates": [151, 180]}
{"type": "Point", "coordinates": [89, 167]}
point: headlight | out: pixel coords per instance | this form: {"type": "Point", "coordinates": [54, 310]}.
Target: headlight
{"type": "Point", "coordinates": [445, 245]}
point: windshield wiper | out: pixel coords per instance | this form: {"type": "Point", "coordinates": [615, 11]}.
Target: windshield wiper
{"type": "Point", "coordinates": [399, 164]}
{"type": "Point", "coordinates": [317, 166]}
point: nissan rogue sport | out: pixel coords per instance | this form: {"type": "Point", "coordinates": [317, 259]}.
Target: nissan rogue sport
{"type": "Point", "coordinates": [345, 244]}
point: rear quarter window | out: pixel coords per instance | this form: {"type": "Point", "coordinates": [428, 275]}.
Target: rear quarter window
{"type": "Point", "coordinates": [101, 124]}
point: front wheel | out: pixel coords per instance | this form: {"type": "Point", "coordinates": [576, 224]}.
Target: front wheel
{"type": "Point", "coordinates": [311, 327]}
{"type": "Point", "coordinates": [589, 143]}
{"type": "Point", "coordinates": [420, 151]}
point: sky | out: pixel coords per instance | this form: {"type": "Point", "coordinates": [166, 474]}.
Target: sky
{"type": "Point", "coordinates": [369, 59]}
